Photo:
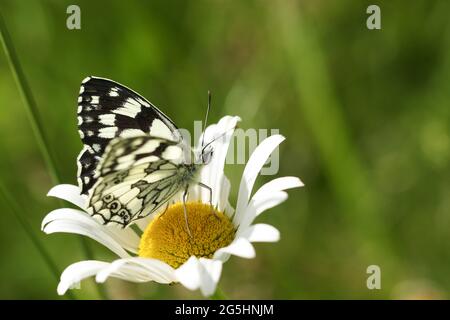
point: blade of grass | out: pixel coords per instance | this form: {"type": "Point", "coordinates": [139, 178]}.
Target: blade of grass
{"type": "Point", "coordinates": [17, 212]}
{"type": "Point", "coordinates": [33, 115]}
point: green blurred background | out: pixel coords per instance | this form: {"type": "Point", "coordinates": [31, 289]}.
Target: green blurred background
{"type": "Point", "coordinates": [365, 112]}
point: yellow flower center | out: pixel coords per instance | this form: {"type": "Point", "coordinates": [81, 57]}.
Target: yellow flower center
{"type": "Point", "coordinates": [166, 237]}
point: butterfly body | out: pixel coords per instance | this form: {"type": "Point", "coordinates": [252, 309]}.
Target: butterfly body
{"type": "Point", "coordinates": [134, 159]}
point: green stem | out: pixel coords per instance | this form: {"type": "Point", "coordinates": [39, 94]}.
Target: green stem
{"type": "Point", "coordinates": [33, 115]}
{"type": "Point", "coordinates": [17, 212]}
{"type": "Point", "coordinates": [219, 295]}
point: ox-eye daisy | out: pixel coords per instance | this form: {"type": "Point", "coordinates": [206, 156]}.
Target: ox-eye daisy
{"type": "Point", "coordinates": [165, 252]}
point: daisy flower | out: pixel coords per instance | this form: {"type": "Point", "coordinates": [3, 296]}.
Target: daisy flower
{"type": "Point", "coordinates": [164, 252]}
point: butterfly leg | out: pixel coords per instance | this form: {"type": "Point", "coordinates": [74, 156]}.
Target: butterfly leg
{"type": "Point", "coordinates": [210, 195]}
{"type": "Point", "coordinates": [209, 190]}
{"type": "Point", "coordinates": [185, 211]}
{"type": "Point", "coordinates": [167, 207]}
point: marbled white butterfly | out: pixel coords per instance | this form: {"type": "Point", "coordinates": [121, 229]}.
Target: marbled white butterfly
{"type": "Point", "coordinates": [134, 159]}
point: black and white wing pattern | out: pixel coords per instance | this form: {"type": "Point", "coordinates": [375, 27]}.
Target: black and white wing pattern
{"type": "Point", "coordinates": [136, 176]}
{"type": "Point", "coordinates": [106, 110]}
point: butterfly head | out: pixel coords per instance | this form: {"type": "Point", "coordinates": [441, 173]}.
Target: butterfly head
{"type": "Point", "coordinates": [206, 154]}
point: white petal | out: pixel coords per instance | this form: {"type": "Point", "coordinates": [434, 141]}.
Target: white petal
{"type": "Point", "coordinates": [210, 275]}
{"type": "Point", "coordinates": [212, 174]}
{"type": "Point", "coordinates": [278, 184]}
{"type": "Point", "coordinates": [137, 269]}
{"type": "Point", "coordinates": [78, 271]}
{"type": "Point", "coordinates": [126, 238]}
{"type": "Point", "coordinates": [267, 201]}
{"type": "Point", "coordinates": [240, 247]}
{"type": "Point", "coordinates": [268, 196]}
{"type": "Point", "coordinates": [157, 270]}
{"type": "Point", "coordinates": [64, 213]}
{"type": "Point", "coordinates": [224, 194]}
{"type": "Point", "coordinates": [263, 202]}
{"type": "Point", "coordinates": [200, 273]}
{"type": "Point", "coordinates": [261, 233]}
{"type": "Point", "coordinates": [69, 193]}
{"type": "Point", "coordinates": [74, 221]}
{"type": "Point", "coordinates": [222, 256]}
{"type": "Point", "coordinates": [225, 125]}
{"type": "Point", "coordinates": [188, 274]}
{"type": "Point", "coordinates": [229, 210]}
{"type": "Point", "coordinates": [221, 145]}
{"type": "Point", "coordinates": [251, 171]}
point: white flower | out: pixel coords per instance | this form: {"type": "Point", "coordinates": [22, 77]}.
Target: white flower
{"type": "Point", "coordinates": [196, 271]}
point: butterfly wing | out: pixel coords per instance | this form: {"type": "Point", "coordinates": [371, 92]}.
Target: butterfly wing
{"type": "Point", "coordinates": [107, 110]}
{"type": "Point", "coordinates": [136, 176]}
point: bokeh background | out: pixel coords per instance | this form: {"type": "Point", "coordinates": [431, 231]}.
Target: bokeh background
{"type": "Point", "coordinates": [365, 112]}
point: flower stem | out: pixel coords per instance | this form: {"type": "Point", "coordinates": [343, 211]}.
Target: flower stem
{"type": "Point", "coordinates": [33, 115]}
{"type": "Point", "coordinates": [219, 295]}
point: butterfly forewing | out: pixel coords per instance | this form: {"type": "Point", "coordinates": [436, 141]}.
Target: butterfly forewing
{"type": "Point", "coordinates": [107, 110]}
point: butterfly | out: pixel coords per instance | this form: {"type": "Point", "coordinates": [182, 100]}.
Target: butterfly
{"type": "Point", "coordinates": [134, 158]}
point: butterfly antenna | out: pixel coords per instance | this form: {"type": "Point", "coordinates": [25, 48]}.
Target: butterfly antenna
{"type": "Point", "coordinates": [206, 120]}
{"type": "Point", "coordinates": [218, 137]}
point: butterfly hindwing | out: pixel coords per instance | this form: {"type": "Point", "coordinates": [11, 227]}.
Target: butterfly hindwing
{"type": "Point", "coordinates": [136, 176]}
{"type": "Point", "coordinates": [107, 110]}
{"type": "Point", "coordinates": [124, 153]}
